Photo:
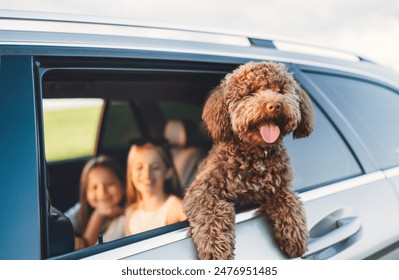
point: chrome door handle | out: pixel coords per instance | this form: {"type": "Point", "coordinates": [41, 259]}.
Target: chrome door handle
{"type": "Point", "coordinates": [346, 227]}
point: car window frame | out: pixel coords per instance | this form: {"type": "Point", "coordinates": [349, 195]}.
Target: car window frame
{"type": "Point", "coordinates": [342, 144]}
{"type": "Point", "coordinates": [46, 64]}
{"type": "Point", "coordinates": [371, 86]}
{"type": "Point", "coordinates": [354, 142]}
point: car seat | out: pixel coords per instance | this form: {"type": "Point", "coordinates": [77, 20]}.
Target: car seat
{"type": "Point", "coordinates": [187, 147]}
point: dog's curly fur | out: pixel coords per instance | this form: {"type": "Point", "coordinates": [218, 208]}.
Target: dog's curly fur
{"type": "Point", "coordinates": [242, 167]}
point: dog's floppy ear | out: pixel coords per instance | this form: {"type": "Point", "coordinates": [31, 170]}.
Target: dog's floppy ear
{"type": "Point", "coordinates": [215, 114]}
{"type": "Point", "coordinates": [305, 127]}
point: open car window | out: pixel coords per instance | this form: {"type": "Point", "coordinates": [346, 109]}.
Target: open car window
{"type": "Point", "coordinates": [70, 127]}
{"type": "Point", "coordinates": [92, 112]}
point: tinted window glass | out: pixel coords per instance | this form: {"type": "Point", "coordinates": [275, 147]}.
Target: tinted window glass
{"type": "Point", "coordinates": [373, 111]}
{"type": "Point", "coordinates": [120, 125]}
{"type": "Point", "coordinates": [190, 113]}
{"type": "Point", "coordinates": [179, 110]}
{"type": "Point", "coordinates": [70, 127]}
{"type": "Point", "coordinates": [321, 158]}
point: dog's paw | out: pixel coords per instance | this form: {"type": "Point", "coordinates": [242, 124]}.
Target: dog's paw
{"type": "Point", "coordinates": [295, 250]}
{"type": "Point", "coordinates": [292, 239]}
{"type": "Point", "coordinates": [295, 245]}
{"type": "Point", "coordinates": [216, 255]}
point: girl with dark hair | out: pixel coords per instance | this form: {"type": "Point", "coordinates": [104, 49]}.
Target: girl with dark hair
{"type": "Point", "coordinates": [99, 211]}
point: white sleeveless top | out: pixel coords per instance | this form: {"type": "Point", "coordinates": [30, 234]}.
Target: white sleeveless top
{"type": "Point", "coordinates": [141, 220]}
{"type": "Point", "coordinates": [115, 229]}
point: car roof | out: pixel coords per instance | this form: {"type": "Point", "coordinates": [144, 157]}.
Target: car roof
{"type": "Point", "coordinates": [41, 29]}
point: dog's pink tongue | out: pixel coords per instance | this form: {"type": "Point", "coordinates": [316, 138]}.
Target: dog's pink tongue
{"type": "Point", "coordinates": [269, 132]}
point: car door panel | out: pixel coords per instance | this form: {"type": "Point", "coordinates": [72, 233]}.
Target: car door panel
{"type": "Point", "coordinates": [358, 202]}
{"type": "Point", "coordinates": [393, 176]}
{"type": "Point", "coordinates": [254, 240]}
{"type": "Point", "coordinates": [374, 206]}
{"type": "Point", "coordinates": [21, 180]}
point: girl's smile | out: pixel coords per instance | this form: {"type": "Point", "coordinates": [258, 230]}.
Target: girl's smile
{"type": "Point", "coordinates": [103, 188]}
{"type": "Point", "coordinates": [148, 171]}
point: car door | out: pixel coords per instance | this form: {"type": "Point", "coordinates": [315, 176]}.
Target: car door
{"type": "Point", "coordinates": [356, 218]}
{"type": "Point", "coordinates": [20, 205]}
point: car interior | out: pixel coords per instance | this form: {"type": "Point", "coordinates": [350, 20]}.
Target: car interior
{"type": "Point", "coordinates": [135, 103]}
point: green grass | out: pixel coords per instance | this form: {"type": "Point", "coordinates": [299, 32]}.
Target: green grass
{"type": "Point", "coordinates": [70, 133]}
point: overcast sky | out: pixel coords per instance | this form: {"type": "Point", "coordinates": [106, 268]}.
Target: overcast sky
{"type": "Point", "coordinates": [367, 27]}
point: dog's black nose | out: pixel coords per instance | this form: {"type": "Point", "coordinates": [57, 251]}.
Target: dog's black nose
{"type": "Point", "coordinates": [273, 107]}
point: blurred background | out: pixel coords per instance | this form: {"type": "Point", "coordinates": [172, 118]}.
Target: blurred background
{"type": "Point", "coordinates": [369, 28]}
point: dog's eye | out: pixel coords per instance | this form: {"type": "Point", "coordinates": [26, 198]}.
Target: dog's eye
{"type": "Point", "coordinates": [279, 89]}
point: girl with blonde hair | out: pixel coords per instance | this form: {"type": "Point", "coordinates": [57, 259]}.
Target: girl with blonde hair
{"type": "Point", "coordinates": [153, 190]}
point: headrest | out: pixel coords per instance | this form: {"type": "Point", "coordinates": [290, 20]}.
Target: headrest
{"type": "Point", "coordinates": [175, 132]}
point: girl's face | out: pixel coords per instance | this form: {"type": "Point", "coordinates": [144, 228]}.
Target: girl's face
{"type": "Point", "coordinates": [103, 188]}
{"type": "Point", "coordinates": [149, 171]}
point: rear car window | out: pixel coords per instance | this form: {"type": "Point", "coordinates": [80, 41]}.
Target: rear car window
{"type": "Point", "coordinates": [70, 127]}
{"type": "Point", "coordinates": [373, 111]}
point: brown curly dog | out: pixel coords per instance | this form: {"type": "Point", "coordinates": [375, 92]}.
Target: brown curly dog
{"type": "Point", "coordinates": [247, 116]}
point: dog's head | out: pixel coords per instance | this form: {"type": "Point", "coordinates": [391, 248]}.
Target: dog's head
{"type": "Point", "coordinates": [259, 103]}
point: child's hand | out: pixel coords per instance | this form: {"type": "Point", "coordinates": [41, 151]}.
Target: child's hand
{"type": "Point", "coordinates": [108, 211]}
{"type": "Point", "coordinates": [80, 243]}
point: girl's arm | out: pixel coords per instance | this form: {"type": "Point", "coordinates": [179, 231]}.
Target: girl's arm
{"type": "Point", "coordinates": [96, 221]}
{"type": "Point", "coordinates": [93, 228]}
